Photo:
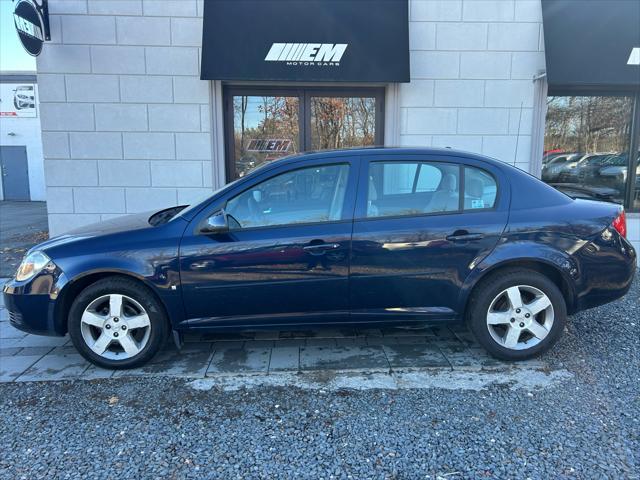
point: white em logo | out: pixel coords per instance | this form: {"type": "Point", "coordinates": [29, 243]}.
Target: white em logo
{"type": "Point", "coordinates": [25, 26]}
{"type": "Point", "coordinates": [306, 53]}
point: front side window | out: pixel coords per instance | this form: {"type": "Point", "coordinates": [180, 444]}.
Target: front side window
{"type": "Point", "coordinates": [307, 195]}
{"type": "Point", "coordinates": [587, 146]}
{"type": "Point", "coordinates": [412, 188]}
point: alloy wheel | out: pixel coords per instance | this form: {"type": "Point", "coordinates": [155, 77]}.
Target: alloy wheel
{"type": "Point", "coordinates": [115, 327]}
{"type": "Point", "coordinates": [520, 317]}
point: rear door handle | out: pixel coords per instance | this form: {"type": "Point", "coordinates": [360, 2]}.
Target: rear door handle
{"type": "Point", "coordinates": [464, 236]}
{"type": "Point", "coordinates": [319, 249]}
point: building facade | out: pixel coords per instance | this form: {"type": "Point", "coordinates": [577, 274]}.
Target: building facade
{"type": "Point", "coordinates": [129, 124]}
{"type": "Point", "coordinates": [21, 160]}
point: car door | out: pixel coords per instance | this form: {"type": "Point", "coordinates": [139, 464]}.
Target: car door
{"type": "Point", "coordinates": [286, 254]}
{"type": "Point", "coordinates": [417, 233]}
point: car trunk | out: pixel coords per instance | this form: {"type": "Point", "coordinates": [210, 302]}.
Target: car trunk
{"type": "Point", "coordinates": [590, 217]}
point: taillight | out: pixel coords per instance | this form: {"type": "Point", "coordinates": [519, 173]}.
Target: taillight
{"type": "Point", "coordinates": [620, 224]}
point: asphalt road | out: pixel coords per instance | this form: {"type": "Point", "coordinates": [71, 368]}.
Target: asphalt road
{"type": "Point", "coordinates": [586, 426]}
{"type": "Point", "coordinates": [22, 225]}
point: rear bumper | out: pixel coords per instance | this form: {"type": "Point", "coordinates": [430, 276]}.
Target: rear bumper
{"type": "Point", "coordinates": [607, 270]}
{"type": "Point", "coordinates": [32, 304]}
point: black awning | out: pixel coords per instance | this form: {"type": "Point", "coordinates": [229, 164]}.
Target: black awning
{"type": "Point", "coordinates": [592, 43]}
{"type": "Point", "coordinates": [306, 40]}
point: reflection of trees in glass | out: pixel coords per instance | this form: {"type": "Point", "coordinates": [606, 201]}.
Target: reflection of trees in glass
{"type": "Point", "coordinates": [588, 124]}
{"type": "Point", "coordinates": [336, 122]}
{"type": "Point", "coordinates": [342, 122]}
{"type": "Point", "coordinates": [266, 117]}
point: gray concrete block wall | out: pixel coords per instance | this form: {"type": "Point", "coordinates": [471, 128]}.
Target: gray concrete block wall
{"type": "Point", "coordinates": [123, 106]}
{"type": "Point", "coordinates": [472, 68]}
{"type": "Point", "coordinates": [125, 117]}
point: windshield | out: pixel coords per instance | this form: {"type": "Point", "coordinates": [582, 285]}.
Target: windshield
{"type": "Point", "coordinates": [204, 198]}
{"type": "Point", "coordinates": [195, 204]}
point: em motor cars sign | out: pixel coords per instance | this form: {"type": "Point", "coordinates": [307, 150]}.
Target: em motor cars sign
{"type": "Point", "coordinates": [32, 25]}
{"type": "Point", "coordinates": [306, 40]}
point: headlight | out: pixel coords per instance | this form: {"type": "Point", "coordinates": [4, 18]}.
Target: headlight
{"type": "Point", "coordinates": [31, 265]}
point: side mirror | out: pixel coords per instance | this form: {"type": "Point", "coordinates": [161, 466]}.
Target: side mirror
{"type": "Point", "coordinates": [216, 223]}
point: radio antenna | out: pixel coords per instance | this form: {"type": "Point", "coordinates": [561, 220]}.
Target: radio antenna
{"type": "Point", "coordinates": [518, 137]}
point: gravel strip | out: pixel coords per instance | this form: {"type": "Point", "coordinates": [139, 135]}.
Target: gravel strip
{"type": "Point", "coordinates": [586, 427]}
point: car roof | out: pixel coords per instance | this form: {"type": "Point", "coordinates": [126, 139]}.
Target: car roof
{"type": "Point", "coordinates": [367, 151]}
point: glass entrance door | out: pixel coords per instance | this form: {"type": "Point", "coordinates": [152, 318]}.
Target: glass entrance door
{"type": "Point", "coordinates": [264, 128]}
{"type": "Point", "coordinates": [341, 122]}
{"type": "Point", "coordinates": [262, 125]}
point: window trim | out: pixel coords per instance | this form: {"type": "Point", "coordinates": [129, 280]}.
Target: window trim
{"type": "Point", "coordinates": [406, 159]}
{"type": "Point", "coordinates": [345, 208]}
{"type": "Point", "coordinates": [634, 159]}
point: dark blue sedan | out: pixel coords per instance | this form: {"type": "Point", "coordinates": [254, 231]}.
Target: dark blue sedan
{"type": "Point", "coordinates": [389, 236]}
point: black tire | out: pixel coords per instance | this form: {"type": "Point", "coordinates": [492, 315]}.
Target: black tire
{"type": "Point", "coordinates": [490, 288]}
{"type": "Point", "coordinates": [159, 330]}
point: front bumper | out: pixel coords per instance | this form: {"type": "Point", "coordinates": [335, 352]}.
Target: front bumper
{"type": "Point", "coordinates": [32, 304]}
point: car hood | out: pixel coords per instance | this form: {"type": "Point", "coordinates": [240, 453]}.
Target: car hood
{"type": "Point", "coordinates": [125, 223]}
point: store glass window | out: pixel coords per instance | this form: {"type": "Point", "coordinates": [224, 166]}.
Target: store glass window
{"type": "Point", "coordinates": [339, 122]}
{"type": "Point", "coordinates": [635, 195]}
{"type": "Point", "coordinates": [586, 146]}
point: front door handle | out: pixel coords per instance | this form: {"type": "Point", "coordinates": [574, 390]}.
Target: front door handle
{"type": "Point", "coordinates": [464, 236]}
{"type": "Point", "coordinates": [321, 248]}
{"type": "Point", "coordinates": [203, 264]}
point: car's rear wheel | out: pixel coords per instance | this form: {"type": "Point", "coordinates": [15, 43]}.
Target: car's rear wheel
{"type": "Point", "coordinates": [117, 323]}
{"type": "Point", "coordinates": [517, 314]}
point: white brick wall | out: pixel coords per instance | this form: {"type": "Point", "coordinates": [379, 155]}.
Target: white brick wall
{"type": "Point", "coordinates": [472, 69]}
{"type": "Point", "coordinates": [125, 117]}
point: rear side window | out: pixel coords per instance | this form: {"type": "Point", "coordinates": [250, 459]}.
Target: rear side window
{"type": "Point", "coordinates": [412, 188]}
{"type": "Point", "coordinates": [480, 189]}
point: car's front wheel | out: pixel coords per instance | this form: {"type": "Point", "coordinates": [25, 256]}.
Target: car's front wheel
{"type": "Point", "coordinates": [517, 314]}
{"type": "Point", "coordinates": [117, 323]}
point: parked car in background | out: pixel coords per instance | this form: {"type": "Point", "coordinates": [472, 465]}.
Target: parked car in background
{"type": "Point", "coordinates": [552, 169]}
{"type": "Point", "coordinates": [614, 172]}
{"type": "Point", "coordinates": [570, 173]}
{"type": "Point", "coordinates": [365, 236]}
{"type": "Point", "coordinates": [588, 167]}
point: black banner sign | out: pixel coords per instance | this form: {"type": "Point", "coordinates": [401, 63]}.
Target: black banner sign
{"type": "Point", "coordinates": [593, 43]}
{"type": "Point", "coordinates": [310, 40]}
